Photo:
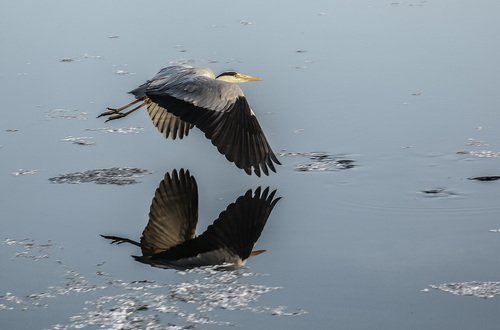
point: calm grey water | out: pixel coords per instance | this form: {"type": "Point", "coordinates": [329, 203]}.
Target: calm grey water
{"type": "Point", "coordinates": [408, 90]}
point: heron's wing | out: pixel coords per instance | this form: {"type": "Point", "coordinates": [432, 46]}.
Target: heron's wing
{"type": "Point", "coordinates": [167, 123]}
{"type": "Point", "coordinates": [235, 231]}
{"type": "Point", "coordinates": [165, 75]}
{"type": "Point", "coordinates": [222, 112]}
{"type": "Point", "coordinates": [173, 213]}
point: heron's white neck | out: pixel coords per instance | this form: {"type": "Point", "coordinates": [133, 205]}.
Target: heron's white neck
{"type": "Point", "coordinates": [205, 72]}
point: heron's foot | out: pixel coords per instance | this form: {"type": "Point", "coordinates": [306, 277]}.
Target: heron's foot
{"type": "Point", "coordinates": [117, 242]}
{"type": "Point", "coordinates": [116, 239]}
{"type": "Point", "coordinates": [111, 111]}
{"type": "Point", "coordinates": [117, 115]}
{"type": "Point", "coordinates": [120, 240]}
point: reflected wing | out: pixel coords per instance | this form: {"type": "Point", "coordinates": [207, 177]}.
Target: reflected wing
{"type": "Point", "coordinates": [234, 233]}
{"type": "Point", "coordinates": [173, 213]}
{"type": "Point", "coordinates": [221, 111]}
{"type": "Point", "coordinates": [167, 123]}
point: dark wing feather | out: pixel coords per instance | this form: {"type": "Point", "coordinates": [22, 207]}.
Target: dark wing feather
{"type": "Point", "coordinates": [217, 108]}
{"type": "Point", "coordinates": [173, 213]}
{"type": "Point", "coordinates": [167, 123]}
{"type": "Point", "coordinates": [236, 230]}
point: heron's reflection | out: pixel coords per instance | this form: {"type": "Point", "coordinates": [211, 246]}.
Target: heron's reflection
{"type": "Point", "coordinates": [169, 239]}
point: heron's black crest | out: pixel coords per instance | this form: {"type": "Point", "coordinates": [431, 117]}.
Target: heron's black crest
{"type": "Point", "coordinates": [227, 73]}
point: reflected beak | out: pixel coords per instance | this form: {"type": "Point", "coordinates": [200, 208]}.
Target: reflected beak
{"type": "Point", "coordinates": [256, 252]}
{"type": "Point", "coordinates": [245, 77]}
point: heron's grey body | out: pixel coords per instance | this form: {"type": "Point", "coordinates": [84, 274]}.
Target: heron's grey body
{"type": "Point", "coordinates": [169, 239]}
{"type": "Point", "coordinates": [196, 86]}
{"type": "Point", "coordinates": [179, 98]}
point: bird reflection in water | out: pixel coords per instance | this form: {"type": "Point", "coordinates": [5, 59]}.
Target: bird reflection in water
{"type": "Point", "coordinates": [169, 239]}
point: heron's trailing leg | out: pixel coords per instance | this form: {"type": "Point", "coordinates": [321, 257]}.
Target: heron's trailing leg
{"type": "Point", "coordinates": [118, 115]}
{"type": "Point", "coordinates": [119, 240]}
{"type": "Point", "coordinates": [117, 110]}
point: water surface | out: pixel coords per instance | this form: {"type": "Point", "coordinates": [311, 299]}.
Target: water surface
{"type": "Point", "coordinates": [406, 90]}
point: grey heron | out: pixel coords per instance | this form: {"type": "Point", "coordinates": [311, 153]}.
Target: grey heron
{"type": "Point", "coordinates": [179, 97]}
{"type": "Point", "coordinates": [169, 239]}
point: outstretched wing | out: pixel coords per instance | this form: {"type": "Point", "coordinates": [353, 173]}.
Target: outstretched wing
{"type": "Point", "coordinates": [173, 214]}
{"type": "Point", "coordinates": [167, 123]}
{"type": "Point", "coordinates": [217, 108]}
{"type": "Point", "coordinates": [233, 234]}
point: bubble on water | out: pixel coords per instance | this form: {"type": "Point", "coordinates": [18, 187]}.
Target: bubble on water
{"type": "Point", "coordinates": [320, 161]}
{"type": "Point", "coordinates": [123, 72]}
{"type": "Point", "coordinates": [474, 288]}
{"type": "Point", "coordinates": [182, 61]}
{"type": "Point", "coordinates": [476, 143]}
{"type": "Point", "coordinates": [299, 131]}
{"type": "Point", "coordinates": [485, 178]}
{"type": "Point", "coordinates": [86, 55]}
{"type": "Point", "coordinates": [114, 175]}
{"type": "Point", "coordinates": [121, 130]}
{"type": "Point", "coordinates": [438, 192]}
{"type": "Point", "coordinates": [24, 172]}
{"type": "Point", "coordinates": [66, 114]}
{"type": "Point", "coordinates": [81, 140]}
{"type": "Point", "coordinates": [480, 154]}
{"type": "Point", "coordinates": [141, 304]}
{"type": "Point", "coordinates": [29, 248]}
{"type": "Point", "coordinates": [80, 58]}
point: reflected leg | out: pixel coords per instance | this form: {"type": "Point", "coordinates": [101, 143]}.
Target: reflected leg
{"type": "Point", "coordinates": [119, 240]}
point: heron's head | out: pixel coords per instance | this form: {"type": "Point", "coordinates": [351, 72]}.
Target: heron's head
{"type": "Point", "coordinates": [236, 77]}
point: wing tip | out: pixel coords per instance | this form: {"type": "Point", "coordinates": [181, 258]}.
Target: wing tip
{"type": "Point", "coordinates": [265, 194]}
{"type": "Point", "coordinates": [142, 259]}
{"type": "Point", "coordinates": [262, 167]}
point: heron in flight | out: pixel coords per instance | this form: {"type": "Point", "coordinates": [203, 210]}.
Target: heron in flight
{"type": "Point", "coordinates": [179, 97]}
{"type": "Point", "coordinates": [169, 239]}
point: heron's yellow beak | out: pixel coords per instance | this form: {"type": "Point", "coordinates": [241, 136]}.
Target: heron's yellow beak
{"type": "Point", "coordinates": [245, 77]}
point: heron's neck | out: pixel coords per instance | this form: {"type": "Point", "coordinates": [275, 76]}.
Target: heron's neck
{"type": "Point", "coordinates": [229, 79]}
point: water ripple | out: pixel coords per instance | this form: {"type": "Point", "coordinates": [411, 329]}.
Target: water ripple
{"type": "Point", "coordinates": [115, 175]}
{"type": "Point", "coordinates": [66, 114]}
{"type": "Point", "coordinates": [81, 140]}
{"type": "Point", "coordinates": [122, 130]}
{"type": "Point", "coordinates": [474, 288]}
{"type": "Point", "coordinates": [320, 161]}
{"type": "Point", "coordinates": [146, 304]}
